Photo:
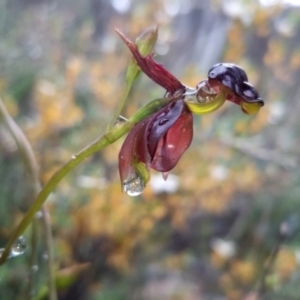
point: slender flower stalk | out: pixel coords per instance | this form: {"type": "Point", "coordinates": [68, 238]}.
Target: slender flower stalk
{"type": "Point", "coordinates": [112, 133]}
{"type": "Point", "coordinates": [145, 43]}
{"type": "Point", "coordinates": [104, 140]}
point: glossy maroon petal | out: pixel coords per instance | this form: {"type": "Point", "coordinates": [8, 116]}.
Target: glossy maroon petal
{"type": "Point", "coordinates": [127, 153]}
{"type": "Point", "coordinates": [174, 143]}
{"type": "Point", "coordinates": [141, 144]}
{"type": "Point", "coordinates": [163, 122]}
{"type": "Point", "coordinates": [152, 69]}
{"type": "Point", "coordinates": [158, 141]}
{"type": "Point", "coordinates": [155, 127]}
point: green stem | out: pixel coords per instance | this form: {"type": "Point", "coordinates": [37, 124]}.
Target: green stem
{"type": "Point", "coordinates": [121, 105]}
{"type": "Point", "coordinates": [106, 139]}
{"type": "Point", "coordinates": [23, 146]}
{"type": "Point", "coordinates": [50, 253]}
{"type": "Point", "coordinates": [145, 43]}
{"type": "Point", "coordinates": [32, 258]}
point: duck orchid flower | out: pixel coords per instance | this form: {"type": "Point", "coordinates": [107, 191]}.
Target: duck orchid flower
{"type": "Point", "coordinates": [158, 141]}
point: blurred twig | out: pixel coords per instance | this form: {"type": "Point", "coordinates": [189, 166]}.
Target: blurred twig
{"type": "Point", "coordinates": [269, 265]}
{"type": "Point", "coordinates": [273, 156]}
{"type": "Point", "coordinates": [32, 168]}
{"type": "Point", "coordinates": [287, 230]}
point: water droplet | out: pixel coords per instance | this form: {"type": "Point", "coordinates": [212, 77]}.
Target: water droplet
{"type": "Point", "coordinates": [19, 247]}
{"type": "Point", "coordinates": [134, 186]}
{"type": "Point", "coordinates": [73, 156]}
{"type": "Point", "coordinates": [183, 129]}
{"type": "Point", "coordinates": [202, 99]}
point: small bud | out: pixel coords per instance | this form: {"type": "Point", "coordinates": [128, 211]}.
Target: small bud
{"type": "Point", "coordinates": [143, 61]}
{"type": "Point", "coordinates": [144, 44]}
{"type": "Point", "coordinates": [146, 41]}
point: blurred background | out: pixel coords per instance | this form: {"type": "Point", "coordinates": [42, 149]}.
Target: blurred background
{"type": "Point", "coordinates": [225, 225]}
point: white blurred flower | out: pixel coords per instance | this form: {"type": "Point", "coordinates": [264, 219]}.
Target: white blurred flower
{"type": "Point", "coordinates": [226, 249]}
{"type": "Point", "coordinates": [297, 255]}
{"type": "Point", "coordinates": [219, 172]}
{"type": "Point", "coordinates": [88, 182]}
{"type": "Point", "coordinates": [122, 6]}
{"type": "Point", "coordinates": [159, 185]}
{"type": "Point", "coordinates": [277, 112]}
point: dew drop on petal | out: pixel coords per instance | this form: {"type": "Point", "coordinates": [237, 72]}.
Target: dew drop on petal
{"type": "Point", "coordinates": [134, 186]}
{"type": "Point", "coordinates": [19, 247]}
{"type": "Point", "coordinates": [162, 122]}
